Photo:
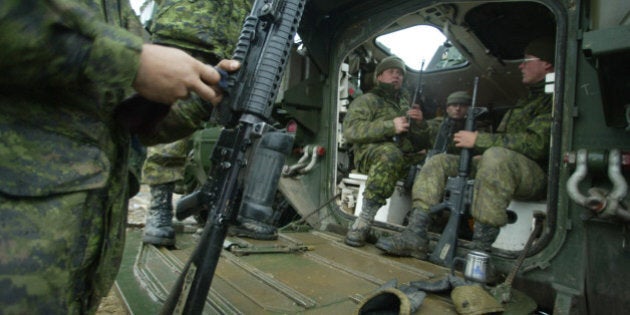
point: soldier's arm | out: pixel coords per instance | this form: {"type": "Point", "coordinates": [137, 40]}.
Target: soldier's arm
{"type": "Point", "coordinates": [533, 142]}
{"type": "Point", "coordinates": [359, 126]}
{"type": "Point", "coordinates": [184, 118]}
{"type": "Point", "coordinates": [62, 43]}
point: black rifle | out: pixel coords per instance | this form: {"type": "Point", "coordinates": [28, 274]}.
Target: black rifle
{"type": "Point", "coordinates": [248, 147]}
{"type": "Point", "coordinates": [419, 88]}
{"type": "Point", "coordinates": [457, 197]}
{"type": "Point", "coordinates": [417, 91]}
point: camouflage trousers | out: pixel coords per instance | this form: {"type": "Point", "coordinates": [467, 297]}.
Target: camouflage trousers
{"type": "Point", "coordinates": [59, 254]}
{"type": "Point", "coordinates": [500, 176]}
{"type": "Point", "coordinates": [165, 162]}
{"type": "Point", "coordinates": [384, 165]}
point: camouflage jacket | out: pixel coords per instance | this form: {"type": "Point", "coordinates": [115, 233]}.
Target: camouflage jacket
{"type": "Point", "coordinates": [369, 121]}
{"type": "Point", "coordinates": [207, 29]}
{"type": "Point", "coordinates": [66, 65]}
{"type": "Point", "coordinates": [440, 131]}
{"type": "Point", "coordinates": [525, 129]}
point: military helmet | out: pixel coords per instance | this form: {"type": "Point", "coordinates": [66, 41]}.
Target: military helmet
{"type": "Point", "coordinates": [388, 63]}
{"type": "Point", "coordinates": [459, 97]}
{"type": "Point", "coordinates": [543, 48]}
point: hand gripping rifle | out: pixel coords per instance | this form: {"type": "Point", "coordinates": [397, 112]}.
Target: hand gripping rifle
{"type": "Point", "coordinates": [457, 197]}
{"type": "Point", "coordinates": [247, 148]}
{"type": "Point", "coordinates": [417, 93]}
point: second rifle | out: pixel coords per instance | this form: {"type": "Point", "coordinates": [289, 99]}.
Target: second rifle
{"type": "Point", "coordinates": [457, 197]}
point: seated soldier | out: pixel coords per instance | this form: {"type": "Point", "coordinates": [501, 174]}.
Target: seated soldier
{"type": "Point", "coordinates": [442, 129]}
{"type": "Point", "coordinates": [374, 125]}
{"type": "Point", "coordinates": [512, 164]}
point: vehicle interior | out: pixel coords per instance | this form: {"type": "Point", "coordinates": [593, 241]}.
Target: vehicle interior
{"type": "Point", "coordinates": [474, 39]}
{"type": "Point", "coordinates": [445, 45]}
{"type": "Point", "coordinates": [454, 43]}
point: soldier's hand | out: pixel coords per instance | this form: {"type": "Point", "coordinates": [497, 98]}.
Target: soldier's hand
{"type": "Point", "coordinates": [415, 113]}
{"type": "Point", "coordinates": [400, 124]}
{"type": "Point", "coordinates": [167, 74]}
{"type": "Point", "coordinates": [465, 139]}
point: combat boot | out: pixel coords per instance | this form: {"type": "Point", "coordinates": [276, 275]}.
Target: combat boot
{"type": "Point", "coordinates": [361, 227]}
{"type": "Point", "coordinates": [158, 229]}
{"type": "Point", "coordinates": [483, 236]}
{"type": "Point", "coordinates": [412, 241]}
{"type": "Point", "coordinates": [253, 229]}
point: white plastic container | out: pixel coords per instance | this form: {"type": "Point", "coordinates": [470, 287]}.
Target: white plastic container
{"type": "Point", "coordinates": [396, 208]}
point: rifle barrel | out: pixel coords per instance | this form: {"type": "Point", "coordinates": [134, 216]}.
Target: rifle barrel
{"type": "Point", "coordinates": [458, 190]}
{"type": "Point", "coordinates": [466, 153]}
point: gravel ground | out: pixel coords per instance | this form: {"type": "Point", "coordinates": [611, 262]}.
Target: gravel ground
{"type": "Point", "coordinates": [112, 304]}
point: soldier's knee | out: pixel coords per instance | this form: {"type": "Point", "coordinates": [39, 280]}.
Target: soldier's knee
{"type": "Point", "coordinates": [496, 153]}
{"type": "Point", "coordinates": [496, 157]}
{"type": "Point", "coordinates": [496, 219]}
{"type": "Point", "coordinates": [392, 155]}
{"type": "Point", "coordinates": [436, 160]}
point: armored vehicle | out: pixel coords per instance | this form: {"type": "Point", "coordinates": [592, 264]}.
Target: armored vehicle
{"type": "Point", "coordinates": [578, 259]}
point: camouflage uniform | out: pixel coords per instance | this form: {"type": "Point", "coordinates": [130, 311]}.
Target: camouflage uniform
{"type": "Point", "coordinates": [209, 31]}
{"type": "Point", "coordinates": [443, 127]}
{"type": "Point", "coordinates": [378, 151]}
{"type": "Point", "coordinates": [369, 126]}
{"type": "Point", "coordinates": [512, 164]}
{"type": "Point", "coordinates": [63, 157]}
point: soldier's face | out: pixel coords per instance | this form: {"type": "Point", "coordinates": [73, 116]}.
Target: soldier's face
{"type": "Point", "coordinates": [393, 76]}
{"type": "Point", "coordinates": [457, 111]}
{"type": "Point", "coordinates": [534, 69]}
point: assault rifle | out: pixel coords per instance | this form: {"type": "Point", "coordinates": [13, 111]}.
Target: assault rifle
{"type": "Point", "coordinates": [248, 147]}
{"type": "Point", "coordinates": [416, 91]}
{"type": "Point", "coordinates": [457, 196]}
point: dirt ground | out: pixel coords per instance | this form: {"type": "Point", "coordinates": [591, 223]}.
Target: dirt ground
{"type": "Point", "coordinates": [112, 304]}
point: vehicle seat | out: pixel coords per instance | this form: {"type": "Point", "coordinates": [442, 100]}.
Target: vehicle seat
{"type": "Point", "coordinates": [514, 235]}
{"type": "Point", "coordinates": [394, 211]}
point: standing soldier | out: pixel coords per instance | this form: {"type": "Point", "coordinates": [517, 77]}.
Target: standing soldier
{"type": "Point", "coordinates": [65, 138]}
{"type": "Point", "coordinates": [512, 164]}
{"type": "Point", "coordinates": [208, 30]}
{"type": "Point", "coordinates": [373, 122]}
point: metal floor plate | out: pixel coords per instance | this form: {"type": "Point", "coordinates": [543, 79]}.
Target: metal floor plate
{"type": "Point", "coordinates": [329, 278]}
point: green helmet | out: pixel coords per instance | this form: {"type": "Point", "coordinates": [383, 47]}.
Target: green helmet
{"type": "Point", "coordinates": [459, 97]}
{"type": "Point", "coordinates": [388, 63]}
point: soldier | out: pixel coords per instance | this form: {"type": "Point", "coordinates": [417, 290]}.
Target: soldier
{"type": "Point", "coordinates": [441, 129]}
{"type": "Point", "coordinates": [208, 31]}
{"type": "Point", "coordinates": [512, 164]}
{"type": "Point", "coordinates": [373, 122]}
{"type": "Point", "coordinates": [65, 138]}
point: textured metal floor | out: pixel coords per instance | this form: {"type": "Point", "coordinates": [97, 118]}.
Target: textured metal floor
{"type": "Point", "coordinates": [329, 278]}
